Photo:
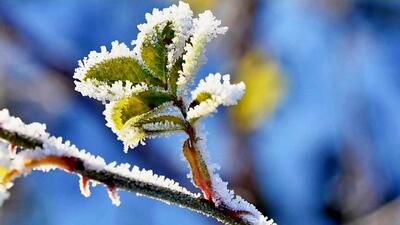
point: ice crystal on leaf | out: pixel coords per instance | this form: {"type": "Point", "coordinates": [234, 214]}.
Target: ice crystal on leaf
{"type": "Point", "coordinates": [179, 17]}
{"type": "Point", "coordinates": [205, 28]}
{"type": "Point", "coordinates": [110, 75]}
{"type": "Point", "coordinates": [138, 117]}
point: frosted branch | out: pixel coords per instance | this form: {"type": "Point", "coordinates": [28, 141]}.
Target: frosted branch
{"type": "Point", "coordinates": [40, 151]}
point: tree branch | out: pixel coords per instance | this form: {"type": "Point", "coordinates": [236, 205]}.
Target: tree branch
{"type": "Point", "coordinates": [115, 180]}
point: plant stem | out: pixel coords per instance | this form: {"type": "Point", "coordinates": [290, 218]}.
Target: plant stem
{"type": "Point", "coordinates": [20, 140]}
{"type": "Point", "coordinates": [200, 172]}
{"type": "Point", "coordinates": [108, 178]}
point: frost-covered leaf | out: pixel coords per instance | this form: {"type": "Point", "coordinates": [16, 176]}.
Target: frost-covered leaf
{"type": "Point", "coordinates": [127, 117]}
{"type": "Point", "coordinates": [121, 69]}
{"type": "Point", "coordinates": [205, 28]}
{"type": "Point", "coordinates": [178, 17]}
{"type": "Point", "coordinates": [211, 93]}
{"type": "Point", "coordinates": [136, 105]}
{"type": "Point", "coordinates": [154, 51]}
{"type": "Point", "coordinates": [110, 75]}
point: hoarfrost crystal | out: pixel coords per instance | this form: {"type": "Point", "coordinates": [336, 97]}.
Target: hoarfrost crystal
{"type": "Point", "coordinates": [181, 18]}
{"type": "Point", "coordinates": [84, 186]}
{"type": "Point", "coordinates": [108, 92]}
{"type": "Point", "coordinates": [223, 196]}
{"type": "Point", "coordinates": [4, 194]}
{"type": "Point", "coordinates": [5, 164]}
{"type": "Point", "coordinates": [162, 126]}
{"type": "Point", "coordinates": [221, 93]}
{"type": "Point", "coordinates": [206, 28]}
{"type": "Point", "coordinates": [132, 135]}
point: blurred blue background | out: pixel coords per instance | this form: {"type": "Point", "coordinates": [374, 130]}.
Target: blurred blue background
{"type": "Point", "coordinates": [315, 141]}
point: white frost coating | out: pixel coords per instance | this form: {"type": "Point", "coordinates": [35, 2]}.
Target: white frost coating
{"type": "Point", "coordinates": [132, 136]}
{"type": "Point", "coordinates": [162, 126]}
{"type": "Point", "coordinates": [105, 92]}
{"type": "Point", "coordinates": [181, 17]}
{"type": "Point", "coordinates": [263, 220]}
{"type": "Point", "coordinates": [8, 160]}
{"type": "Point", "coordinates": [114, 196]}
{"type": "Point", "coordinates": [206, 28]}
{"type": "Point", "coordinates": [202, 109]}
{"type": "Point", "coordinates": [129, 135]}
{"type": "Point", "coordinates": [34, 130]}
{"type": "Point", "coordinates": [4, 194]}
{"type": "Point", "coordinates": [84, 186]}
{"type": "Point", "coordinates": [5, 164]}
{"type": "Point", "coordinates": [53, 146]}
{"type": "Point", "coordinates": [5, 156]}
{"type": "Point", "coordinates": [117, 50]}
{"type": "Point", "coordinates": [222, 93]}
{"type": "Point", "coordinates": [221, 194]}
{"type": "Point", "coordinates": [101, 90]}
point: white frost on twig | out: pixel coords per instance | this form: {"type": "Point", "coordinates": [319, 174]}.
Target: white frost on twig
{"type": "Point", "coordinates": [84, 186]}
{"type": "Point", "coordinates": [222, 196]}
{"type": "Point", "coordinates": [6, 161]}
{"type": "Point", "coordinates": [4, 193]}
{"type": "Point", "coordinates": [114, 196]}
{"type": "Point", "coordinates": [53, 146]}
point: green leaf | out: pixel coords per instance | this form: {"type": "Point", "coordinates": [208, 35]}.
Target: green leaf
{"type": "Point", "coordinates": [174, 74]}
{"type": "Point", "coordinates": [154, 98]}
{"type": "Point", "coordinates": [154, 52]}
{"type": "Point", "coordinates": [121, 69]}
{"type": "Point", "coordinates": [137, 105]}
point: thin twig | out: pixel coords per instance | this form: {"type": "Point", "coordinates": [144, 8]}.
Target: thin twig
{"type": "Point", "coordinates": [108, 178]}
